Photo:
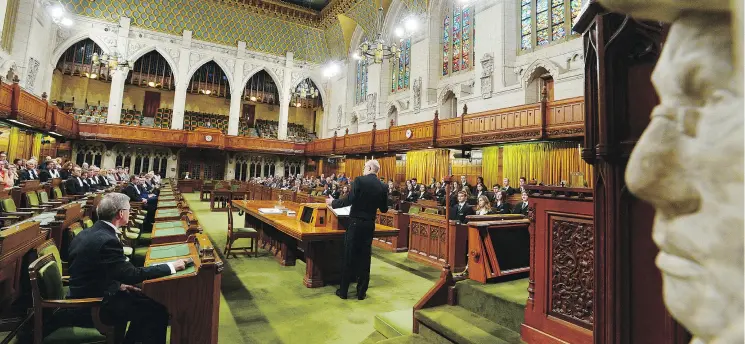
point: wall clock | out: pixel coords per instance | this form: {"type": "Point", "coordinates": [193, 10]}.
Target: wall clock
{"type": "Point", "coordinates": [409, 133]}
{"type": "Point", "coordinates": [208, 138]}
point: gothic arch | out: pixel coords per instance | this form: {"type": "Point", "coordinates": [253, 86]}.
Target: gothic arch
{"type": "Point", "coordinates": [171, 62]}
{"type": "Point", "coordinates": [303, 76]}
{"type": "Point", "coordinates": [444, 93]}
{"type": "Point", "coordinates": [527, 75]}
{"type": "Point", "coordinates": [392, 114]}
{"type": "Point", "coordinates": [61, 48]}
{"type": "Point", "coordinates": [220, 63]}
{"type": "Point", "coordinates": [277, 80]}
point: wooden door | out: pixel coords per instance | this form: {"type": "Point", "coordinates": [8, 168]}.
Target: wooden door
{"type": "Point", "coordinates": [249, 114]}
{"type": "Point", "coordinates": [152, 103]}
{"type": "Point", "coordinates": [548, 83]}
{"type": "Point", "coordinates": [202, 164]}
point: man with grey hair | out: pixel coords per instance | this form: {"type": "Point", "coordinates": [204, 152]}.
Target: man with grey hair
{"type": "Point", "coordinates": [366, 196]}
{"type": "Point", "coordinates": [98, 268]}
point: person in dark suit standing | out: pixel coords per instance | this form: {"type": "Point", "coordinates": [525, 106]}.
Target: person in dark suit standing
{"type": "Point", "coordinates": [460, 210]}
{"type": "Point", "coordinates": [522, 207]}
{"type": "Point", "coordinates": [98, 268]}
{"type": "Point", "coordinates": [367, 196]}
{"type": "Point", "coordinates": [75, 185]}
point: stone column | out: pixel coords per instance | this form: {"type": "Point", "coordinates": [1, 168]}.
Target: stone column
{"type": "Point", "coordinates": [285, 95]}
{"type": "Point", "coordinates": [179, 98]}
{"type": "Point", "coordinates": [116, 94]}
{"type": "Point", "coordinates": [236, 90]}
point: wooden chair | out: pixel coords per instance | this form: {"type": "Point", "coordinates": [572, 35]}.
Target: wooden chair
{"type": "Point", "coordinates": [48, 297]}
{"type": "Point", "coordinates": [240, 233]}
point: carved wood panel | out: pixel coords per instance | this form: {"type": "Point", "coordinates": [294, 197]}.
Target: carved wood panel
{"type": "Point", "coordinates": [572, 270]}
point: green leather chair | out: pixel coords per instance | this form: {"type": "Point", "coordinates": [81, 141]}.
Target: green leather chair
{"type": "Point", "coordinates": [9, 208]}
{"type": "Point", "coordinates": [430, 211]}
{"type": "Point", "coordinates": [44, 199]}
{"type": "Point", "coordinates": [49, 295]}
{"type": "Point", "coordinates": [415, 209]}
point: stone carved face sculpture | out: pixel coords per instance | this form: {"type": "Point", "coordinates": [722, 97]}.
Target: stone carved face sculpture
{"type": "Point", "coordinates": [689, 165]}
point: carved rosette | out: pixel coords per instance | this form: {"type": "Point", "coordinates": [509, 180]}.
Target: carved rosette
{"type": "Point", "coordinates": [572, 270]}
{"type": "Point", "coordinates": [385, 221]}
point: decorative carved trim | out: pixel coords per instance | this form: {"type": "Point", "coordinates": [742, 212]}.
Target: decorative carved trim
{"type": "Point", "coordinates": [496, 137]}
{"type": "Point", "coordinates": [417, 94]}
{"type": "Point", "coordinates": [566, 132]}
{"type": "Point", "coordinates": [33, 69]}
{"type": "Point", "coordinates": [572, 270]}
{"type": "Point", "coordinates": [448, 142]}
{"type": "Point", "coordinates": [409, 146]}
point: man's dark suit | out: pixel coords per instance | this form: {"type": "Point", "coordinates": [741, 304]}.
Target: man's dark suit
{"type": "Point", "coordinates": [103, 181]}
{"type": "Point", "coordinates": [509, 190]}
{"type": "Point", "coordinates": [29, 174]}
{"type": "Point", "coordinates": [412, 196]}
{"type": "Point", "coordinates": [503, 208]}
{"type": "Point", "coordinates": [520, 208]}
{"type": "Point", "coordinates": [152, 203]}
{"type": "Point", "coordinates": [366, 196]}
{"type": "Point", "coordinates": [74, 188]}
{"type": "Point", "coordinates": [98, 268]}
{"type": "Point", "coordinates": [424, 196]}
{"type": "Point", "coordinates": [44, 176]}
{"type": "Point", "coordinates": [458, 212]}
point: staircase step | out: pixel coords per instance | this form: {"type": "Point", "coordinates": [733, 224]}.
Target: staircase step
{"type": "Point", "coordinates": [407, 339]}
{"type": "Point", "coordinates": [462, 326]}
{"type": "Point", "coordinates": [502, 303]}
{"type": "Point", "coordinates": [394, 324]}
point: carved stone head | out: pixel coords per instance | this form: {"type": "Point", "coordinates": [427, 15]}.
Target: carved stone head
{"type": "Point", "coordinates": [689, 165]}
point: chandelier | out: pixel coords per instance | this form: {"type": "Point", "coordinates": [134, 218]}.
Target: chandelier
{"type": "Point", "coordinates": [376, 50]}
{"type": "Point", "coordinates": [113, 61]}
{"type": "Point", "coordinates": [305, 89]}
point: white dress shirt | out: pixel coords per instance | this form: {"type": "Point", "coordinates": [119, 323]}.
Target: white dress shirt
{"type": "Point", "coordinates": [118, 231]}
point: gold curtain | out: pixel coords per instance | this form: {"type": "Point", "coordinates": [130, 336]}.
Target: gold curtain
{"type": "Point", "coordinates": [387, 167]}
{"type": "Point", "coordinates": [547, 162]}
{"type": "Point", "coordinates": [426, 164]}
{"type": "Point", "coordinates": [13, 139]}
{"type": "Point", "coordinates": [490, 166]}
{"type": "Point", "coordinates": [353, 167]}
{"type": "Point", "coordinates": [36, 146]}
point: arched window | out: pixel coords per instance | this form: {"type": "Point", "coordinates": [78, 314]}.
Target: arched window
{"type": "Point", "coordinates": [543, 22]}
{"type": "Point", "coordinates": [457, 39]}
{"type": "Point", "coordinates": [401, 67]}
{"type": "Point", "coordinates": [361, 86]}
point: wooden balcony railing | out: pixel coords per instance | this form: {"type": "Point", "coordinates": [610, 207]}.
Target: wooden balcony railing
{"type": "Point", "coordinates": [545, 120]}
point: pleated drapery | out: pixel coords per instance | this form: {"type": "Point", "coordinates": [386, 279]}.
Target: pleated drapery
{"type": "Point", "coordinates": [547, 162]}
{"type": "Point", "coordinates": [426, 164]}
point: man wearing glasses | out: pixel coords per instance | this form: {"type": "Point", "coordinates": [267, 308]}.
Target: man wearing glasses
{"type": "Point", "coordinates": [98, 268]}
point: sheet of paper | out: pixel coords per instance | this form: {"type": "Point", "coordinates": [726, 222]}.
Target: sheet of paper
{"type": "Point", "coordinates": [342, 211]}
{"type": "Point", "coordinates": [270, 211]}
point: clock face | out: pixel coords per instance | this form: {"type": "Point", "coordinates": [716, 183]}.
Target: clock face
{"type": "Point", "coordinates": [408, 133]}
{"type": "Point", "coordinates": [208, 138]}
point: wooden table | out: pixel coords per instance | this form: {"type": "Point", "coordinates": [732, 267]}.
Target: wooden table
{"type": "Point", "coordinates": [192, 296]}
{"type": "Point", "coordinates": [288, 239]}
{"type": "Point", "coordinates": [167, 232]}
{"type": "Point", "coordinates": [167, 215]}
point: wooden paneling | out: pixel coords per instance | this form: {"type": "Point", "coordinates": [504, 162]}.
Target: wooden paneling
{"type": "Point", "coordinates": [421, 136]}
{"type": "Point", "coordinates": [565, 118]}
{"type": "Point", "coordinates": [469, 168]}
{"type": "Point", "coordinates": [503, 125]}
{"type": "Point", "coordinates": [435, 241]}
{"type": "Point", "coordinates": [244, 143]}
{"type": "Point", "coordinates": [381, 140]}
{"type": "Point", "coordinates": [62, 123]}
{"type": "Point", "coordinates": [6, 98]}
{"type": "Point", "coordinates": [357, 143]}
{"type": "Point", "coordinates": [449, 132]}
{"type": "Point", "coordinates": [29, 109]}
{"type": "Point", "coordinates": [129, 134]}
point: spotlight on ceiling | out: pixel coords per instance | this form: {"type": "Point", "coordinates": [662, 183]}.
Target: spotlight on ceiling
{"type": "Point", "coordinates": [151, 84]}
{"type": "Point", "coordinates": [331, 69]}
{"type": "Point", "coordinates": [399, 31]}
{"type": "Point", "coordinates": [411, 24]}
{"type": "Point", "coordinates": [66, 22]}
{"type": "Point", "coordinates": [253, 98]}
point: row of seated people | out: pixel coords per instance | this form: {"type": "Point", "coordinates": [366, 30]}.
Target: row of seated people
{"type": "Point", "coordinates": [269, 129]}
{"type": "Point", "coordinates": [436, 191]}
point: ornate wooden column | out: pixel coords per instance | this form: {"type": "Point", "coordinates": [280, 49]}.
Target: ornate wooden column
{"type": "Point", "coordinates": [620, 54]}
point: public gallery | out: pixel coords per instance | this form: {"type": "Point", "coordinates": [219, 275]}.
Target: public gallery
{"type": "Point", "coordinates": [372, 171]}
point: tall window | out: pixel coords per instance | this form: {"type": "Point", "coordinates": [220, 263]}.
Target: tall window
{"type": "Point", "coordinates": [545, 21]}
{"type": "Point", "coordinates": [457, 39]}
{"type": "Point", "coordinates": [401, 67]}
{"type": "Point", "coordinates": [361, 86]}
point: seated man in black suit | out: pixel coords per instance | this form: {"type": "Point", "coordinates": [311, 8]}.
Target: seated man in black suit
{"type": "Point", "coordinates": [522, 207]}
{"type": "Point", "coordinates": [75, 185]}
{"type": "Point", "coordinates": [50, 172]}
{"type": "Point", "coordinates": [460, 210]}
{"type": "Point", "coordinates": [98, 268]}
{"type": "Point", "coordinates": [137, 193]}
{"type": "Point", "coordinates": [30, 173]}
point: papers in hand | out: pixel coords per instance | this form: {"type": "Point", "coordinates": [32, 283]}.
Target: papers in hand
{"type": "Point", "coordinates": [270, 211]}
{"type": "Point", "coordinates": [344, 211]}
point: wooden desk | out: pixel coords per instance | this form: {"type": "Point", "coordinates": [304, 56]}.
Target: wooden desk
{"type": "Point", "coordinates": [189, 185]}
{"type": "Point", "coordinates": [167, 215]}
{"type": "Point", "coordinates": [169, 232]}
{"type": "Point", "coordinates": [15, 242]}
{"type": "Point", "coordinates": [498, 248]}
{"type": "Point", "coordinates": [288, 239]}
{"type": "Point", "coordinates": [393, 218]}
{"type": "Point", "coordinates": [65, 217]}
{"type": "Point", "coordinates": [192, 297]}
{"type": "Point", "coordinates": [435, 241]}
{"type": "Point", "coordinates": [167, 204]}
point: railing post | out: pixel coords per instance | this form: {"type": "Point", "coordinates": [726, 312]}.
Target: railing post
{"type": "Point", "coordinates": [543, 110]}
{"type": "Point", "coordinates": [333, 144]}
{"type": "Point", "coordinates": [372, 139]}
{"type": "Point", "coordinates": [434, 128]}
{"type": "Point", "coordinates": [389, 135]}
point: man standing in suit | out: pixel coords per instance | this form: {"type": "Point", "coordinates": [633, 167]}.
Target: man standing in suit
{"type": "Point", "coordinates": [522, 207]}
{"type": "Point", "coordinates": [75, 185]}
{"type": "Point", "coordinates": [366, 196]}
{"type": "Point", "coordinates": [30, 173]}
{"type": "Point", "coordinates": [98, 268]}
{"type": "Point", "coordinates": [461, 209]}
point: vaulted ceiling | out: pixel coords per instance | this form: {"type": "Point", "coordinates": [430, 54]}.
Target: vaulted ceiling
{"type": "Point", "coordinates": [316, 5]}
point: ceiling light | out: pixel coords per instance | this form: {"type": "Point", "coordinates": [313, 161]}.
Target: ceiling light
{"type": "Point", "coordinates": [253, 99]}
{"type": "Point", "coordinates": [93, 76]}
{"type": "Point", "coordinates": [57, 11]}
{"type": "Point", "coordinates": [399, 32]}
{"type": "Point", "coordinates": [331, 70]}
{"type": "Point", "coordinates": [67, 22]}
{"type": "Point", "coordinates": [298, 104]}
{"type": "Point", "coordinates": [151, 84]}
{"type": "Point", "coordinates": [411, 24]}
{"type": "Point", "coordinates": [208, 92]}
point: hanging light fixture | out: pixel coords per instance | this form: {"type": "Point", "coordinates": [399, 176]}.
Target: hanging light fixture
{"type": "Point", "coordinates": [377, 50]}
{"type": "Point", "coordinates": [113, 61]}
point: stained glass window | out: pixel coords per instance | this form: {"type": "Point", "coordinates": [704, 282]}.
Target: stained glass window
{"type": "Point", "coordinates": [543, 22]}
{"type": "Point", "coordinates": [401, 67]}
{"type": "Point", "coordinates": [361, 85]}
{"type": "Point", "coordinates": [457, 39]}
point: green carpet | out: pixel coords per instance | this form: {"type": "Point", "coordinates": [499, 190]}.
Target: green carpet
{"type": "Point", "coordinates": [263, 302]}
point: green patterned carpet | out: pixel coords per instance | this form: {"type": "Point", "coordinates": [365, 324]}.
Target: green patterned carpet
{"type": "Point", "coordinates": [263, 302]}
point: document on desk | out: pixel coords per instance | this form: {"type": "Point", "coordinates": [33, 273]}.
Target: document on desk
{"type": "Point", "coordinates": [274, 211]}
{"type": "Point", "coordinates": [344, 211]}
